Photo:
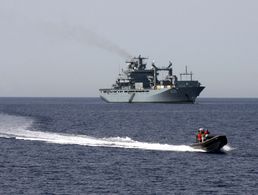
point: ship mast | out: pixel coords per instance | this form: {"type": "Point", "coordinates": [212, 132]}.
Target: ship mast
{"type": "Point", "coordinates": [186, 74]}
{"type": "Point", "coordinates": [141, 65]}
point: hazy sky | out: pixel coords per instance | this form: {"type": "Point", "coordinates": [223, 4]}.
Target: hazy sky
{"type": "Point", "coordinates": [73, 48]}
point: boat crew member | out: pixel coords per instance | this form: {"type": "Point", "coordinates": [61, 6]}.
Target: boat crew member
{"type": "Point", "coordinates": [206, 133]}
{"type": "Point", "coordinates": [203, 136]}
{"type": "Point", "coordinates": [199, 135]}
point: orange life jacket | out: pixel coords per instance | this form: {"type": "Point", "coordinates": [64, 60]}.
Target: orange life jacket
{"type": "Point", "coordinates": [199, 137]}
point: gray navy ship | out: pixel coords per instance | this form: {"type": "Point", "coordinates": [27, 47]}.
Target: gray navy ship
{"type": "Point", "coordinates": [137, 84]}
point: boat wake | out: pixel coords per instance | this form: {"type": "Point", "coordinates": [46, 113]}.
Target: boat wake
{"type": "Point", "coordinates": [17, 127]}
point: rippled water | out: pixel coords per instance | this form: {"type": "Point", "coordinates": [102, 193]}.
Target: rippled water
{"type": "Point", "coordinates": [83, 146]}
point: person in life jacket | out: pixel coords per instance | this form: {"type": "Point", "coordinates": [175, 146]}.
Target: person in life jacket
{"type": "Point", "coordinates": [203, 135]}
{"type": "Point", "coordinates": [206, 133]}
{"type": "Point", "coordinates": [199, 135]}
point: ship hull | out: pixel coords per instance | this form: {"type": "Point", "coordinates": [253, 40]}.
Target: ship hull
{"type": "Point", "coordinates": [165, 95]}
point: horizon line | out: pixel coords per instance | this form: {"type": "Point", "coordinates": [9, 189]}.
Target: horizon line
{"type": "Point", "coordinates": [99, 97]}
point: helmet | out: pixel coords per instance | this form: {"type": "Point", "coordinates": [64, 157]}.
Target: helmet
{"type": "Point", "coordinates": [201, 129]}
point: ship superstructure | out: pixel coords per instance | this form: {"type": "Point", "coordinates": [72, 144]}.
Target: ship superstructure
{"type": "Point", "coordinates": [139, 84]}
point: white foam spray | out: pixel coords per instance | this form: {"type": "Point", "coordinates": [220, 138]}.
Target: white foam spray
{"type": "Point", "coordinates": [17, 127]}
{"type": "Point", "coordinates": [227, 148]}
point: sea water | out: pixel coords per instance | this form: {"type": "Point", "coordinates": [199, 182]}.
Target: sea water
{"type": "Point", "coordinates": [84, 146]}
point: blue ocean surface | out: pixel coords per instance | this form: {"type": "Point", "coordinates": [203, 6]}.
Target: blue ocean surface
{"type": "Point", "coordinates": [86, 146]}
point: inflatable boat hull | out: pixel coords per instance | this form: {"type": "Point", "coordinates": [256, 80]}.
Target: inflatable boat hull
{"type": "Point", "coordinates": [212, 144]}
